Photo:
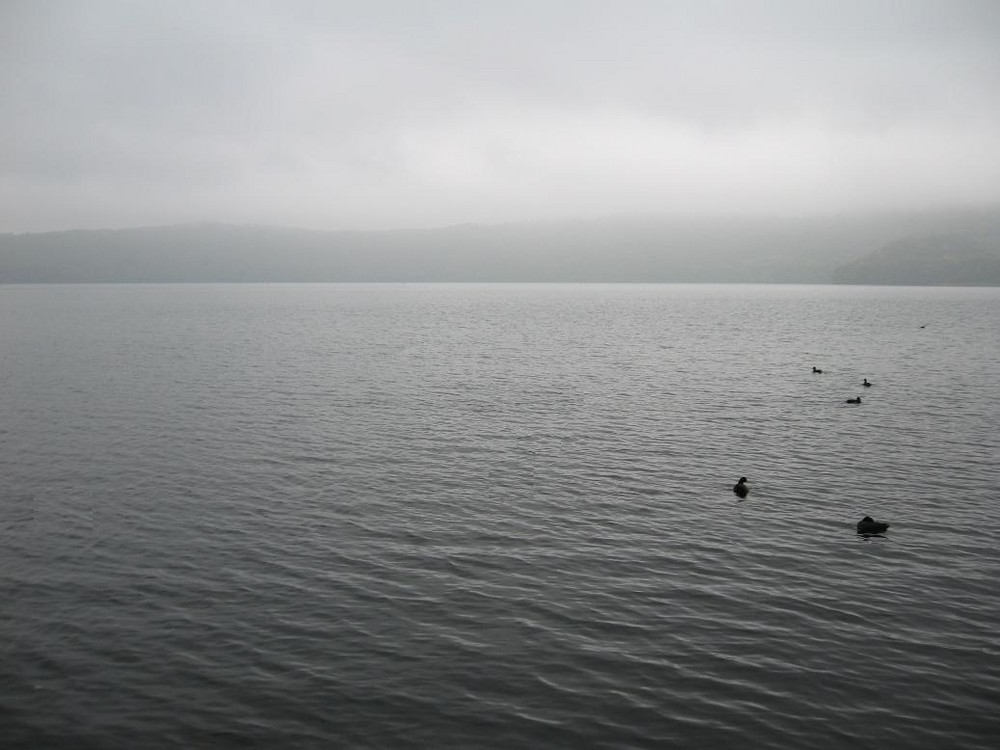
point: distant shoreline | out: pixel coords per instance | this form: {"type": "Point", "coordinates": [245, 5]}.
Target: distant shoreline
{"type": "Point", "coordinates": [959, 248]}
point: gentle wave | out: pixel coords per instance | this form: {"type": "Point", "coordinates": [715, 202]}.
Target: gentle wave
{"type": "Point", "coordinates": [438, 516]}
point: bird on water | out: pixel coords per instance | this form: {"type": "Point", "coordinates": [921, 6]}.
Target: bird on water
{"type": "Point", "coordinates": [866, 384]}
{"type": "Point", "coordinates": [868, 525]}
{"type": "Point", "coordinates": [740, 488]}
{"type": "Point", "coordinates": [816, 369]}
{"type": "Point", "coordinates": [854, 400]}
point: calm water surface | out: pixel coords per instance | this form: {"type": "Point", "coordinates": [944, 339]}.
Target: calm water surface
{"type": "Point", "coordinates": [499, 516]}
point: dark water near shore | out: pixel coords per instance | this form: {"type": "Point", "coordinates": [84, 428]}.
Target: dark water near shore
{"type": "Point", "coordinates": [395, 516]}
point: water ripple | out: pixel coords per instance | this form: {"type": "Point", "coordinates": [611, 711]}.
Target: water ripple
{"type": "Point", "coordinates": [497, 517]}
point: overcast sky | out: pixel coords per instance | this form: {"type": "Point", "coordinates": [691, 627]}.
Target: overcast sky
{"type": "Point", "coordinates": [420, 113]}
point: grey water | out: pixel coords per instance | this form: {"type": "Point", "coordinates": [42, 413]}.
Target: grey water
{"type": "Point", "coordinates": [498, 516]}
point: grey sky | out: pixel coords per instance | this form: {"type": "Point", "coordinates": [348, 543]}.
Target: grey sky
{"type": "Point", "coordinates": [380, 114]}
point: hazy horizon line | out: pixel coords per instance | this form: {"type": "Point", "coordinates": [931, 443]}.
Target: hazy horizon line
{"type": "Point", "coordinates": [640, 216]}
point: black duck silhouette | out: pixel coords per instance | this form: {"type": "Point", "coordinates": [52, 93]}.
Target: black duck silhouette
{"type": "Point", "coordinates": [740, 488]}
{"type": "Point", "coordinates": [868, 525]}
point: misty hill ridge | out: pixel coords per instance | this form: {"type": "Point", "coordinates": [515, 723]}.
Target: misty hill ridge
{"type": "Point", "coordinates": [890, 248]}
{"type": "Point", "coordinates": [959, 259]}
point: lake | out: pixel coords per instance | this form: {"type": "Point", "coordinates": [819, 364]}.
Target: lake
{"type": "Point", "coordinates": [498, 516]}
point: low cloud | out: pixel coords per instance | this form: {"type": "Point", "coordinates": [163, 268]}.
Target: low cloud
{"type": "Point", "coordinates": [333, 115]}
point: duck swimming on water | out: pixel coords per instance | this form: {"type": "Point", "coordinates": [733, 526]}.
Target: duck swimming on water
{"type": "Point", "coordinates": [867, 525]}
{"type": "Point", "coordinates": [866, 384]}
{"type": "Point", "coordinates": [740, 488]}
{"type": "Point", "coordinates": [854, 400]}
{"type": "Point", "coordinates": [816, 369]}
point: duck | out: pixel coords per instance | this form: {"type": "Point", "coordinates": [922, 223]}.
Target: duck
{"type": "Point", "coordinates": [740, 488]}
{"type": "Point", "coordinates": [868, 525]}
{"type": "Point", "coordinates": [816, 369]}
{"type": "Point", "coordinates": [866, 384]}
{"type": "Point", "coordinates": [854, 400]}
